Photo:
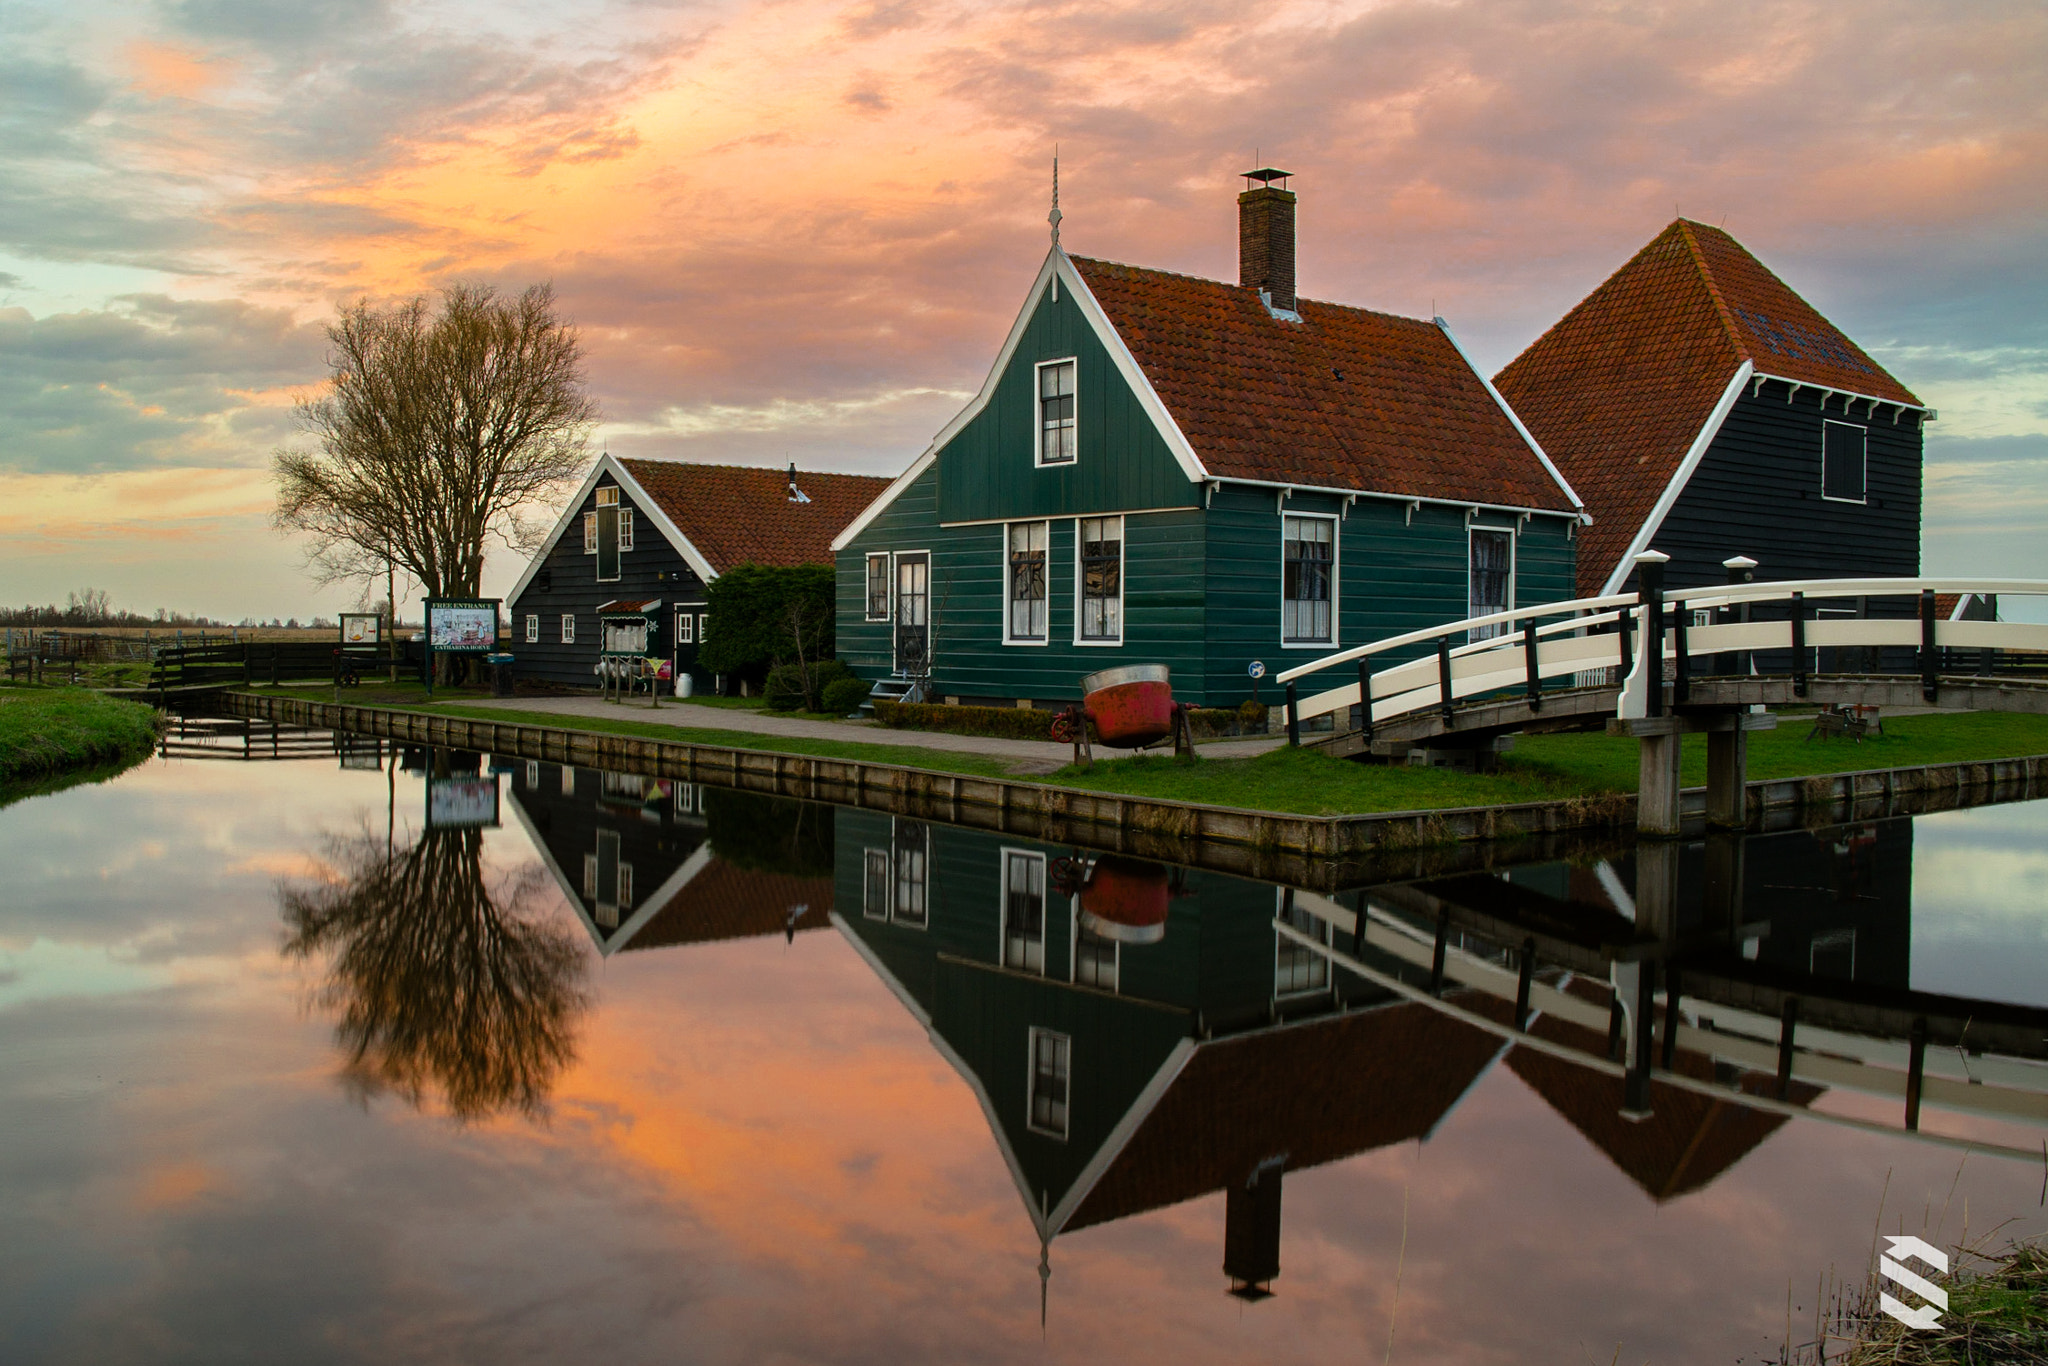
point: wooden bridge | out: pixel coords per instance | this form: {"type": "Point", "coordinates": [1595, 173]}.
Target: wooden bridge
{"type": "Point", "coordinates": [1721, 655]}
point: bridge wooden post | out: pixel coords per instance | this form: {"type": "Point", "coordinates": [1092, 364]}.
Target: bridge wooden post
{"type": "Point", "coordinates": [1727, 776]}
{"type": "Point", "coordinates": [1659, 738]}
{"type": "Point", "coordinates": [1741, 569]}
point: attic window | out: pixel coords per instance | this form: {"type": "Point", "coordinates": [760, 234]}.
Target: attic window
{"type": "Point", "coordinates": [1842, 462]}
{"type": "Point", "coordinates": [1056, 440]}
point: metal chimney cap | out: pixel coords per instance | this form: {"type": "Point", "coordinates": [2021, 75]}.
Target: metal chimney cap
{"type": "Point", "coordinates": [1267, 175]}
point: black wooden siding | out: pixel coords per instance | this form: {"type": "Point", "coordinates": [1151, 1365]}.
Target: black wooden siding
{"type": "Point", "coordinates": [1757, 493]}
{"type": "Point", "coordinates": [652, 569]}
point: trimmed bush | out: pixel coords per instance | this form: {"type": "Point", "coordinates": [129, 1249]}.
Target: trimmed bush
{"type": "Point", "coordinates": [844, 695]}
{"type": "Point", "coordinates": [1011, 723]}
{"type": "Point", "coordinates": [785, 689]}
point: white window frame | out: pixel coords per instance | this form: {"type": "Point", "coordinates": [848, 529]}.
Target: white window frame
{"type": "Point", "coordinates": [533, 775]}
{"type": "Point", "coordinates": [1038, 459]}
{"type": "Point", "coordinates": [1031, 1084]}
{"type": "Point", "coordinates": [1336, 583]}
{"type": "Point", "coordinates": [1045, 909]}
{"type": "Point", "coordinates": [686, 628]}
{"type": "Point", "coordinates": [1282, 944]}
{"type": "Point", "coordinates": [875, 901]}
{"type": "Point", "coordinates": [931, 645]}
{"type": "Point", "coordinates": [568, 628]}
{"type": "Point", "coordinates": [896, 842]}
{"type": "Point", "coordinates": [1116, 954]}
{"type": "Point", "coordinates": [1123, 579]}
{"type": "Point", "coordinates": [1044, 636]}
{"type": "Point", "coordinates": [1514, 567]}
{"type": "Point", "coordinates": [625, 527]}
{"type": "Point", "coordinates": [867, 588]}
{"type": "Point", "coordinates": [1862, 431]}
{"type": "Point", "coordinates": [533, 628]}
{"type": "Point", "coordinates": [590, 533]}
{"type": "Point", "coordinates": [568, 780]}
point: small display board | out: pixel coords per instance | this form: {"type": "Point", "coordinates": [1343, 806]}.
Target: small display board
{"type": "Point", "coordinates": [361, 632]}
{"type": "Point", "coordinates": [466, 802]}
{"type": "Point", "coordinates": [462, 625]}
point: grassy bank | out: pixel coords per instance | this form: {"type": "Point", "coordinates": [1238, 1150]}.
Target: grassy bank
{"type": "Point", "coordinates": [1997, 1315]}
{"type": "Point", "coordinates": [52, 730]}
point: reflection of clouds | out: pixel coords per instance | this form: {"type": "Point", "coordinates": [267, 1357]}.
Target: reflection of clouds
{"type": "Point", "coordinates": [1980, 902]}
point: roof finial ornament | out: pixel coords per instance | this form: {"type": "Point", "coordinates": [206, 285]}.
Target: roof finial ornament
{"type": "Point", "coordinates": [1055, 216]}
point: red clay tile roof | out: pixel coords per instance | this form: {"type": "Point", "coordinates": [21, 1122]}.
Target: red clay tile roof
{"type": "Point", "coordinates": [1619, 388]}
{"type": "Point", "coordinates": [1315, 1092]}
{"type": "Point", "coordinates": [726, 901]}
{"type": "Point", "coordinates": [625, 606]}
{"type": "Point", "coordinates": [1345, 398]}
{"type": "Point", "coordinates": [738, 515]}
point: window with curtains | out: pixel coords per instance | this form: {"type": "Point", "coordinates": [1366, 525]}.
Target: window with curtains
{"type": "Point", "coordinates": [1297, 968]}
{"type": "Point", "coordinates": [1095, 960]}
{"type": "Point", "coordinates": [1308, 579]}
{"type": "Point", "coordinates": [590, 533]}
{"type": "Point", "coordinates": [533, 628]}
{"type": "Point", "coordinates": [1051, 1069]}
{"type": "Point", "coordinates": [568, 629]}
{"type": "Point", "coordinates": [1056, 444]}
{"type": "Point", "coordinates": [1027, 541]}
{"type": "Point", "coordinates": [1102, 579]}
{"type": "Point", "coordinates": [625, 528]}
{"type": "Point", "coordinates": [1492, 578]}
{"type": "Point", "coordinates": [1024, 911]}
{"type": "Point", "coordinates": [878, 587]}
{"type": "Point", "coordinates": [911, 855]}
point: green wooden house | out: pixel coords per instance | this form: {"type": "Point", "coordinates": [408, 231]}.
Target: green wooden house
{"type": "Point", "coordinates": [1167, 470]}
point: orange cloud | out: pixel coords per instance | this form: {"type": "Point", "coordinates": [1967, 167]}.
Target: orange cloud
{"type": "Point", "coordinates": [163, 69]}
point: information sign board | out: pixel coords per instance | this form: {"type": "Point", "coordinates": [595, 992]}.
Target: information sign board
{"type": "Point", "coordinates": [361, 632]}
{"type": "Point", "coordinates": [467, 802]}
{"type": "Point", "coordinates": [462, 625]}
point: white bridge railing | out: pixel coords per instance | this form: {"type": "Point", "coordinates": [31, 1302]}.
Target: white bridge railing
{"type": "Point", "coordinates": [1555, 639]}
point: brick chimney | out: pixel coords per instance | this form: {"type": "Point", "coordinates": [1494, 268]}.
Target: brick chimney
{"type": "Point", "coordinates": [1265, 238]}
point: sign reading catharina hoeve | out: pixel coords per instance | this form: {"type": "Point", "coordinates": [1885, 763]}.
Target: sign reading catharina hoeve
{"type": "Point", "coordinates": [462, 625]}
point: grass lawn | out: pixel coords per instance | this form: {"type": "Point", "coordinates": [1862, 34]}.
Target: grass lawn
{"type": "Point", "coordinates": [51, 730]}
{"type": "Point", "coordinates": [1541, 768]}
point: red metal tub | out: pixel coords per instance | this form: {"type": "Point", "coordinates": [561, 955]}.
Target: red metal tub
{"type": "Point", "coordinates": [1131, 705]}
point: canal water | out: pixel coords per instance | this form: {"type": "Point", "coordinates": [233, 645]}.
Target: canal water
{"type": "Point", "coordinates": [316, 1051]}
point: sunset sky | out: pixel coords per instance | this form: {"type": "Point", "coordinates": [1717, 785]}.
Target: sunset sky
{"type": "Point", "coordinates": [798, 230]}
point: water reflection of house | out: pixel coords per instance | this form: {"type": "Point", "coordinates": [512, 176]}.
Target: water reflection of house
{"type": "Point", "coordinates": [632, 855]}
{"type": "Point", "coordinates": [1123, 1069]}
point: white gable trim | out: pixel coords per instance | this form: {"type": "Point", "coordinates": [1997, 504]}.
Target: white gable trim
{"type": "Point", "coordinates": [1529, 437]}
{"type": "Point", "coordinates": [1127, 366]}
{"type": "Point", "coordinates": [691, 556]}
{"type": "Point", "coordinates": [1669, 498]}
{"type": "Point", "coordinates": [1056, 266]}
{"type": "Point", "coordinates": [669, 530]}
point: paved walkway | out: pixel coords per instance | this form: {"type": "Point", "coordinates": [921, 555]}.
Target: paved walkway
{"type": "Point", "coordinates": [1026, 756]}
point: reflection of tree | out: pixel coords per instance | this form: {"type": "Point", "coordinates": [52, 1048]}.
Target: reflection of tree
{"type": "Point", "coordinates": [440, 982]}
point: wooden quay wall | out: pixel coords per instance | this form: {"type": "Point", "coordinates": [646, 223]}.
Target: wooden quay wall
{"type": "Point", "coordinates": [1310, 851]}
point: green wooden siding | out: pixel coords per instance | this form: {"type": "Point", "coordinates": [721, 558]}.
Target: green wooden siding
{"type": "Point", "coordinates": [1201, 585]}
{"type": "Point", "coordinates": [989, 468]}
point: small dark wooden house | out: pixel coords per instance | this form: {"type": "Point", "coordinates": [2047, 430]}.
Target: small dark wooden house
{"type": "Point", "coordinates": [1168, 470]}
{"type": "Point", "coordinates": [655, 533]}
{"type": "Point", "coordinates": [1705, 410]}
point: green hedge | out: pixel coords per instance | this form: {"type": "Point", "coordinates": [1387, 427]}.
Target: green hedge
{"type": "Point", "coordinates": [1019, 723]}
{"type": "Point", "coordinates": [1011, 723]}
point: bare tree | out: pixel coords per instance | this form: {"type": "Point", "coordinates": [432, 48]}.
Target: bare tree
{"type": "Point", "coordinates": [435, 430]}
